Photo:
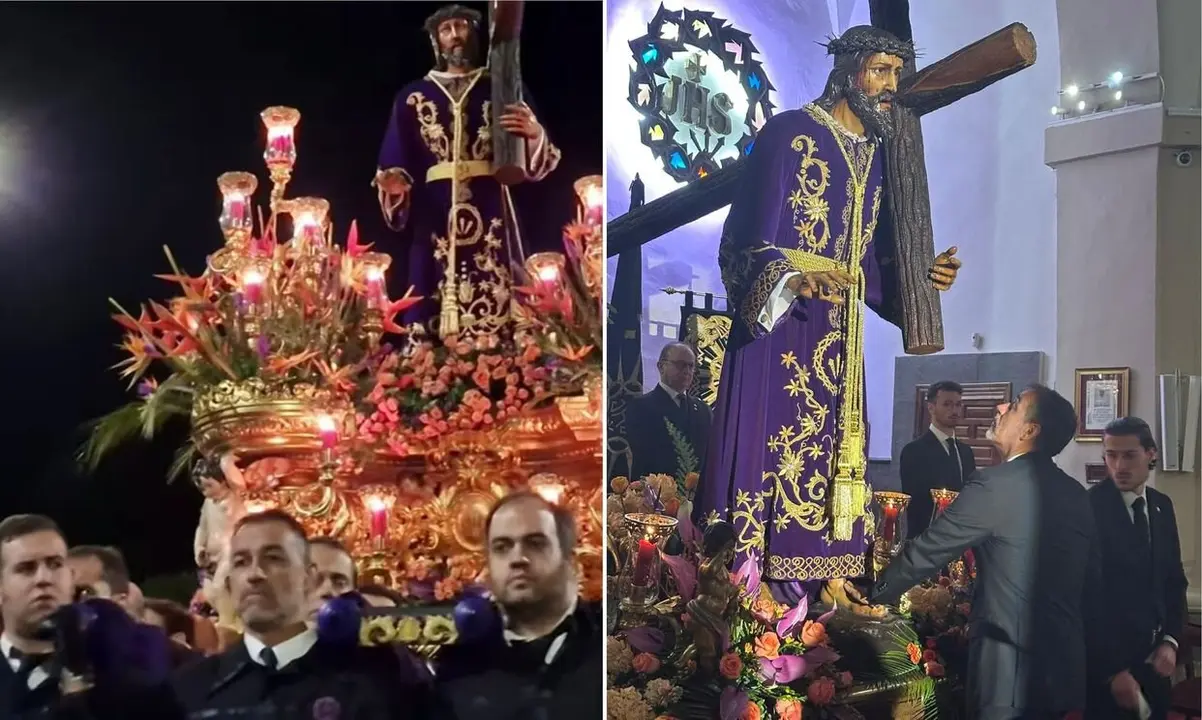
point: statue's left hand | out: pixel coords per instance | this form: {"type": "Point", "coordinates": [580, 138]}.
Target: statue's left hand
{"type": "Point", "coordinates": [519, 119]}
{"type": "Point", "coordinates": [943, 273]}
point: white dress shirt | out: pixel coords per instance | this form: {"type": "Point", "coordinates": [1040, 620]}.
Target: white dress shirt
{"type": "Point", "coordinates": [289, 651]}
{"type": "Point", "coordinates": [39, 674]}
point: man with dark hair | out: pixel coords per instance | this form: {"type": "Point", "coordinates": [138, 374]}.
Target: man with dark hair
{"type": "Point", "coordinates": [334, 566]}
{"type": "Point", "coordinates": [803, 260]}
{"type": "Point", "coordinates": [658, 421]}
{"type": "Point", "coordinates": [1032, 532]}
{"type": "Point", "coordinates": [935, 459]}
{"type": "Point", "coordinates": [435, 181]}
{"type": "Point", "coordinates": [547, 660]}
{"type": "Point", "coordinates": [1144, 579]}
{"type": "Point", "coordinates": [281, 665]}
{"type": "Point", "coordinates": [36, 583]}
{"type": "Point", "coordinates": [100, 571]}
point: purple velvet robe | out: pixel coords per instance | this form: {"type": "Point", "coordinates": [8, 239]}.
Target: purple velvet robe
{"type": "Point", "coordinates": [788, 394]}
{"type": "Point", "coordinates": [421, 140]}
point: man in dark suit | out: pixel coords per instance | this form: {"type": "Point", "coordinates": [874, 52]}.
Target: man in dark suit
{"type": "Point", "coordinates": [654, 421]}
{"type": "Point", "coordinates": [36, 586]}
{"type": "Point", "coordinates": [1143, 576]}
{"type": "Point", "coordinates": [935, 459]}
{"type": "Point", "coordinates": [546, 662]}
{"type": "Point", "coordinates": [1032, 531]}
{"type": "Point", "coordinates": [282, 668]}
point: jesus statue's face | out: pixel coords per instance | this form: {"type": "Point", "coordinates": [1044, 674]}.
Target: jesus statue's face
{"type": "Point", "coordinates": [456, 44]}
{"type": "Point", "coordinates": [872, 97]}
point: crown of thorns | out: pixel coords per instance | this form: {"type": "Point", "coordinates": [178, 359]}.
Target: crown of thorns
{"type": "Point", "coordinates": [452, 12]}
{"type": "Point", "coordinates": [881, 42]}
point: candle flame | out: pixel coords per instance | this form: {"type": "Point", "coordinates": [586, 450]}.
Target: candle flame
{"type": "Point", "coordinates": [373, 273]}
{"type": "Point", "coordinates": [376, 504]}
{"type": "Point", "coordinates": [278, 131]}
{"type": "Point", "coordinates": [551, 492]}
{"type": "Point", "coordinates": [252, 277]}
{"type": "Point", "coordinates": [548, 273]}
{"type": "Point", "coordinates": [326, 424]}
{"type": "Point", "coordinates": [593, 196]}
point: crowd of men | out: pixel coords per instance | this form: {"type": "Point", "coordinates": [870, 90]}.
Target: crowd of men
{"type": "Point", "coordinates": [1080, 601]}
{"type": "Point", "coordinates": [69, 657]}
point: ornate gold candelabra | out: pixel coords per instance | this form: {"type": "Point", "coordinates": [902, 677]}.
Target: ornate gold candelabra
{"type": "Point", "coordinates": [959, 571]}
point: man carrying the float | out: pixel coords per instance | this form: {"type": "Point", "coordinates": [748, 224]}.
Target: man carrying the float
{"type": "Point", "coordinates": [436, 183]}
{"type": "Point", "coordinates": [801, 258]}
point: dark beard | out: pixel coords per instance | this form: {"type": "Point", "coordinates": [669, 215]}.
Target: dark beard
{"type": "Point", "coordinates": [461, 57]}
{"type": "Point", "coordinates": [877, 122]}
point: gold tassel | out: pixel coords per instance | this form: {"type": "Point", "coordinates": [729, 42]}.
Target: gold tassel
{"type": "Point", "coordinates": [844, 510]}
{"type": "Point", "coordinates": [448, 318]}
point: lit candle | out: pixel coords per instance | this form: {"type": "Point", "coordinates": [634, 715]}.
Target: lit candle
{"type": "Point", "coordinates": [236, 189]}
{"type": "Point", "coordinates": [252, 286]}
{"type": "Point", "coordinates": [644, 562]}
{"type": "Point", "coordinates": [281, 147]}
{"type": "Point", "coordinates": [379, 517]}
{"type": "Point", "coordinates": [374, 279]}
{"type": "Point", "coordinates": [889, 531]}
{"type": "Point", "coordinates": [594, 206]}
{"type": "Point", "coordinates": [328, 430]}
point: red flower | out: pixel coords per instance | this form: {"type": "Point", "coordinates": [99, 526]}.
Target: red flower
{"type": "Point", "coordinates": [821, 691]}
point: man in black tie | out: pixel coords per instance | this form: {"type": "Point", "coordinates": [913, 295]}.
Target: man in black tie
{"type": "Point", "coordinates": [935, 459]}
{"type": "Point", "coordinates": [282, 668]}
{"type": "Point", "coordinates": [667, 422]}
{"type": "Point", "coordinates": [1039, 576]}
{"type": "Point", "coordinates": [35, 581]}
{"type": "Point", "coordinates": [1144, 579]}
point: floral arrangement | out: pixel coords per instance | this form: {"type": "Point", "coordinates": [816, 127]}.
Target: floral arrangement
{"type": "Point", "coordinates": [940, 615]}
{"type": "Point", "coordinates": [433, 390]}
{"type": "Point", "coordinates": [281, 318]}
{"type": "Point", "coordinates": [563, 301]}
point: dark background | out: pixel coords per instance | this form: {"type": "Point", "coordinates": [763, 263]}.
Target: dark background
{"type": "Point", "coordinates": [115, 121]}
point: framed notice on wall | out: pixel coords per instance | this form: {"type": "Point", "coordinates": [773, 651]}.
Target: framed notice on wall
{"type": "Point", "coordinates": [1102, 396]}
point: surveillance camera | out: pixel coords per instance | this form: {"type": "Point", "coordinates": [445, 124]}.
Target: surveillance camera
{"type": "Point", "coordinates": [1184, 158]}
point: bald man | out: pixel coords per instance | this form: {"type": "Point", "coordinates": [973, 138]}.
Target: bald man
{"type": "Point", "coordinates": [654, 421]}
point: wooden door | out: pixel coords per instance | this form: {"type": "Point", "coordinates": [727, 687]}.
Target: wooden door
{"type": "Point", "coordinates": [980, 404]}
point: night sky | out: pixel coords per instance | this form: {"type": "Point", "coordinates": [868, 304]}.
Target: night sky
{"type": "Point", "coordinates": [115, 121]}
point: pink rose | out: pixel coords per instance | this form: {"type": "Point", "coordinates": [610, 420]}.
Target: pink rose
{"type": "Point", "coordinates": [645, 663]}
{"type": "Point", "coordinates": [821, 691]}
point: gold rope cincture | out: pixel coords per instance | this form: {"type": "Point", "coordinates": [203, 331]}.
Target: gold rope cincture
{"type": "Point", "coordinates": [448, 318]}
{"type": "Point", "coordinates": [848, 498]}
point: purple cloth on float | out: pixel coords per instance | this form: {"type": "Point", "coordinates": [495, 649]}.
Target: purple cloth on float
{"type": "Point", "coordinates": [777, 421]}
{"type": "Point", "coordinates": [419, 137]}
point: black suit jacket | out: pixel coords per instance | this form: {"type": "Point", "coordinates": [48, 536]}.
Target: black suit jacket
{"type": "Point", "coordinates": [1146, 600]}
{"type": "Point", "coordinates": [1038, 579]}
{"type": "Point", "coordinates": [925, 465]}
{"type": "Point", "coordinates": [359, 683]}
{"type": "Point", "coordinates": [495, 680]}
{"type": "Point", "coordinates": [647, 431]}
{"type": "Point", "coordinates": [105, 701]}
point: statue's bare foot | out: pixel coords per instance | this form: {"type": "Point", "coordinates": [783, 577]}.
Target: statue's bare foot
{"type": "Point", "coordinates": [842, 593]}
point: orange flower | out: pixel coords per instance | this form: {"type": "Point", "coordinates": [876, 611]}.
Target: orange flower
{"type": "Point", "coordinates": [672, 506]}
{"type": "Point", "coordinates": [645, 663]}
{"type": "Point", "coordinates": [915, 653]}
{"type": "Point", "coordinates": [619, 484]}
{"type": "Point", "coordinates": [934, 669]}
{"type": "Point", "coordinates": [752, 712]}
{"type": "Point", "coordinates": [690, 480]}
{"type": "Point", "coordinates": [730, 666]}
{"type": "Point", "coordinates": [788, 709]}
{"type": "Point", "coordinates": [767, 646]}
{"type": "Point", "coordinates": [813, 634]}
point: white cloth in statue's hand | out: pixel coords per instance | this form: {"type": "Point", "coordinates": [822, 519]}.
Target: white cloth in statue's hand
{"type": "Point", "coordinates": [778, 302]}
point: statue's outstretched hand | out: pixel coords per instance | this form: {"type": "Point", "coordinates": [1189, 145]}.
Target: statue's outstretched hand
{"type": "Point", "coordinates": [943, 273]}
{"type": "Point", "coordinates": [519, 119]}
{"type": "Point", "coordinates": [828, 285]}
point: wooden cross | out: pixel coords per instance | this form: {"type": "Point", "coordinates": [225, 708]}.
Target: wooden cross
{"type": "Point", "coordinates": [505, 71]}
{"type": "Point", "coordinates": [964, 72]}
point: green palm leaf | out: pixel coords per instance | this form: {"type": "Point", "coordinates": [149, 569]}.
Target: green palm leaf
{"type": "Point", "coordinates": [107, 432]}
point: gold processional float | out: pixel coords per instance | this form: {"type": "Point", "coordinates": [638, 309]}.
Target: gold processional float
{"type": "Point", "coordinates": [279, 353]}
